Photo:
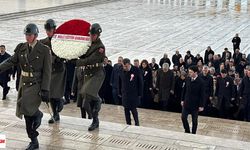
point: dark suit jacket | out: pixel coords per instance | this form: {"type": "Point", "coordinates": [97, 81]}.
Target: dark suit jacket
{"type": "Point", "coordinates": [193, 94]}
{"type": "Point", "coordinates": [5, 76]}
{"type": "Point", "coordinates": [131, 85]}
{"type": "Point", "coordinates": [225, 89]}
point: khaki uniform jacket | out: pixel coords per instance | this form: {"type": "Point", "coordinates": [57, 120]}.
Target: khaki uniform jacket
{"type": "Point", "coordinates": [35, 76]}
{"type": "Point", "coordinates": [94, 73]}
{"type": "Point", "coordinates": [58, 75]}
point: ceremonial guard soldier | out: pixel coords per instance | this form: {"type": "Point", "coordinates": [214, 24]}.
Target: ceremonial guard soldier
{"type": "Point", "coordinates": [94, 73]}
{"type": "Point", "coordinates": [58, 75]}
{"type": "Point", "coordinates": [34, 59]}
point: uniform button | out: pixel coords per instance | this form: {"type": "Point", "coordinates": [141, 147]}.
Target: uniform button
{"type": "Point", "coordinates": [30, 83]}
{"type": "Point", "coordinates": [24, 65]}
{"type": "Point", "coordinates": [30, 65]}
{"type": "Point", "coordinates": [37, 57]}
{"type": "Point", "coordinates": [23, 83]}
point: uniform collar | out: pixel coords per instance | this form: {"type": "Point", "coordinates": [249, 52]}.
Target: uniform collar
{"type": "Point", "coordinates": [33, 44]}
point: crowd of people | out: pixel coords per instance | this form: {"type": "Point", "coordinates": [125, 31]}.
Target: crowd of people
{"type": "Point", "coordinates": [163, 87]}
{"type": "Point", "coordinates": [216, 85]}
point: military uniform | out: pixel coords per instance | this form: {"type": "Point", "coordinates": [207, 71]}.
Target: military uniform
{"type": "Point", "coordinates": [35, 78]}
{"type": "Point", "coordinates": [93, 76]}
{"type": "Point", "coordinates": [78, 82]}
{"type": "Point", "coordinates": [58, 81]}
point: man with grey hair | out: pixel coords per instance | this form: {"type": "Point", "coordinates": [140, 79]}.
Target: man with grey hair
{"type": "Point", "coordinates": [208, 88]}
{"type": "Point", "coordinates": [165, 59]}
{"type": "Point", "coordinates": [176, 57]}
{"type": "Point", "coordinates": [165, 85]}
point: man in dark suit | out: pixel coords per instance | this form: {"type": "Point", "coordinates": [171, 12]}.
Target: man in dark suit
{"type": "Point", "coordinates": [106, 89]}
{"type": "Point", "coordinates": [209, 90]}
{"type": "Point", "coordinates": [236, 41]}
{"type": "Point", "coordinates": [244, 93]}
{"type": "Point", "coordinates": [207, 53]}
{"type": "Point", "coordinates": [192, 99]}
{"type": "Point", "coordinates": [225, 91]}
{"type": "Point", "coordinates": [131, 89]}
{"type": "Point", "coordinates": [175, 58]}
{"type": "Point", "coordinates": [115, 79]}
{"type": "Point", "coordinates": [165, 59]}
{"type": "Point", "coordinates": [5, 76]}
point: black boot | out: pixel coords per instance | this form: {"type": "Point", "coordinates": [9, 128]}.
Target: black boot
{"type": "Point", "coordinates": [60, 103]}
{"type": "Point", "coordinates": [33, 144]}
{"type": "Point", "coordinates": [38, 120]}
{"type": "Point", "coordinates": [53, 104]}
{"type": "Point", "coordinates": [94, 125]}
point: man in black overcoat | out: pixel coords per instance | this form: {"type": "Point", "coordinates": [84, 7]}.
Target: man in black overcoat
{"type": "Point", "coordinates": [131, 89]}
{"type": "Point", "coordinates": [192, 99]}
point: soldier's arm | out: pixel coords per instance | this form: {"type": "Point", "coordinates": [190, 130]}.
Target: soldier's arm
{"type": "Point", "coordinates": [11, 61]}
{"type": "Point", "coordinates": [97, 57]}
{"type": "Point", "coordinates": [47, 68]}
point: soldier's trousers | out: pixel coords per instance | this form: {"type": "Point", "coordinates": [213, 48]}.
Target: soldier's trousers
{"type": "Point", "coordinates": [29, 121]}
{"type": "Point", "coordinates": [95, 105]}
{"type": "Point", "coordinates": [56, 105]}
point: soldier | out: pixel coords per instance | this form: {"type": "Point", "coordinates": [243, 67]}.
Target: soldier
{"type": "Point", "coordinates": [58, 75]}
{"type": "Point", "coordinates": [34, 59]}
{"type": "Point", "coordinates": [78, 81]}
{"type": "Point", "coordinates": [94, 73]}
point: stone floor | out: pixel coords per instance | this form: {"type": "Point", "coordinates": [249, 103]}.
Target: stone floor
{"type": "Point", "coordinates": [158, 127]}
{"type": "Point", "coordinates": [148, 28]}
{"type": "Point", "coordinates": [71, 133]}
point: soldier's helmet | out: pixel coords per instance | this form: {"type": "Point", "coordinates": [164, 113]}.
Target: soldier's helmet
{"type": "Point", "coordinates": [50, 24]}
{"type": "Point", "coordinates": [31, 28]}
{"type": "Point", "coordinates": [95, 29]}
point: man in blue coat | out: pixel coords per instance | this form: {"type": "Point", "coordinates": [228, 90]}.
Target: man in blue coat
{"type": "Point", "coordinates": [193, 98]}
{"type": "Point", "coordinates": [4, 76]}
{"type": "Point", "coordinates": [131, 89]}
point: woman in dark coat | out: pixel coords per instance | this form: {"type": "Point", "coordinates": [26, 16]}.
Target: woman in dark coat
{"type": "Point", "coordinates": [147, 100]}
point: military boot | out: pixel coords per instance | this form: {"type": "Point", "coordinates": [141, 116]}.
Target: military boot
{"type": "Point", "coordinates": [38, 120]}
{"type": "Point", "coordinates": [33, 144]}
{"type": "Point", "coordinates": [60, 104]}
{"type": "Point", "coordinates": [53, 105]}
{"type": "Point", "coordinates": [94, 125]}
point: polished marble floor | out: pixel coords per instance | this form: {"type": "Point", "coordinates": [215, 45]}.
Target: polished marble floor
{"type": "Point", "coordinates": [157, 127]}
{"type": "Point", "coordinates": [71, 133]}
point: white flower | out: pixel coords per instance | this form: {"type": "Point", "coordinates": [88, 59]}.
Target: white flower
{"type": "Point", "coordinates": [132, 77]}
{"type": "Point", "coordinates": [70, 46]}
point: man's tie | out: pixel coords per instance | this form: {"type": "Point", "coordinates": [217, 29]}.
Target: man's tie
{"type": "Point", "coordinates": [30, 49]}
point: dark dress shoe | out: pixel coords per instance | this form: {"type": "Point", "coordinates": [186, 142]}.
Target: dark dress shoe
{"type": "Point", "coordinates": [93, 126]}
